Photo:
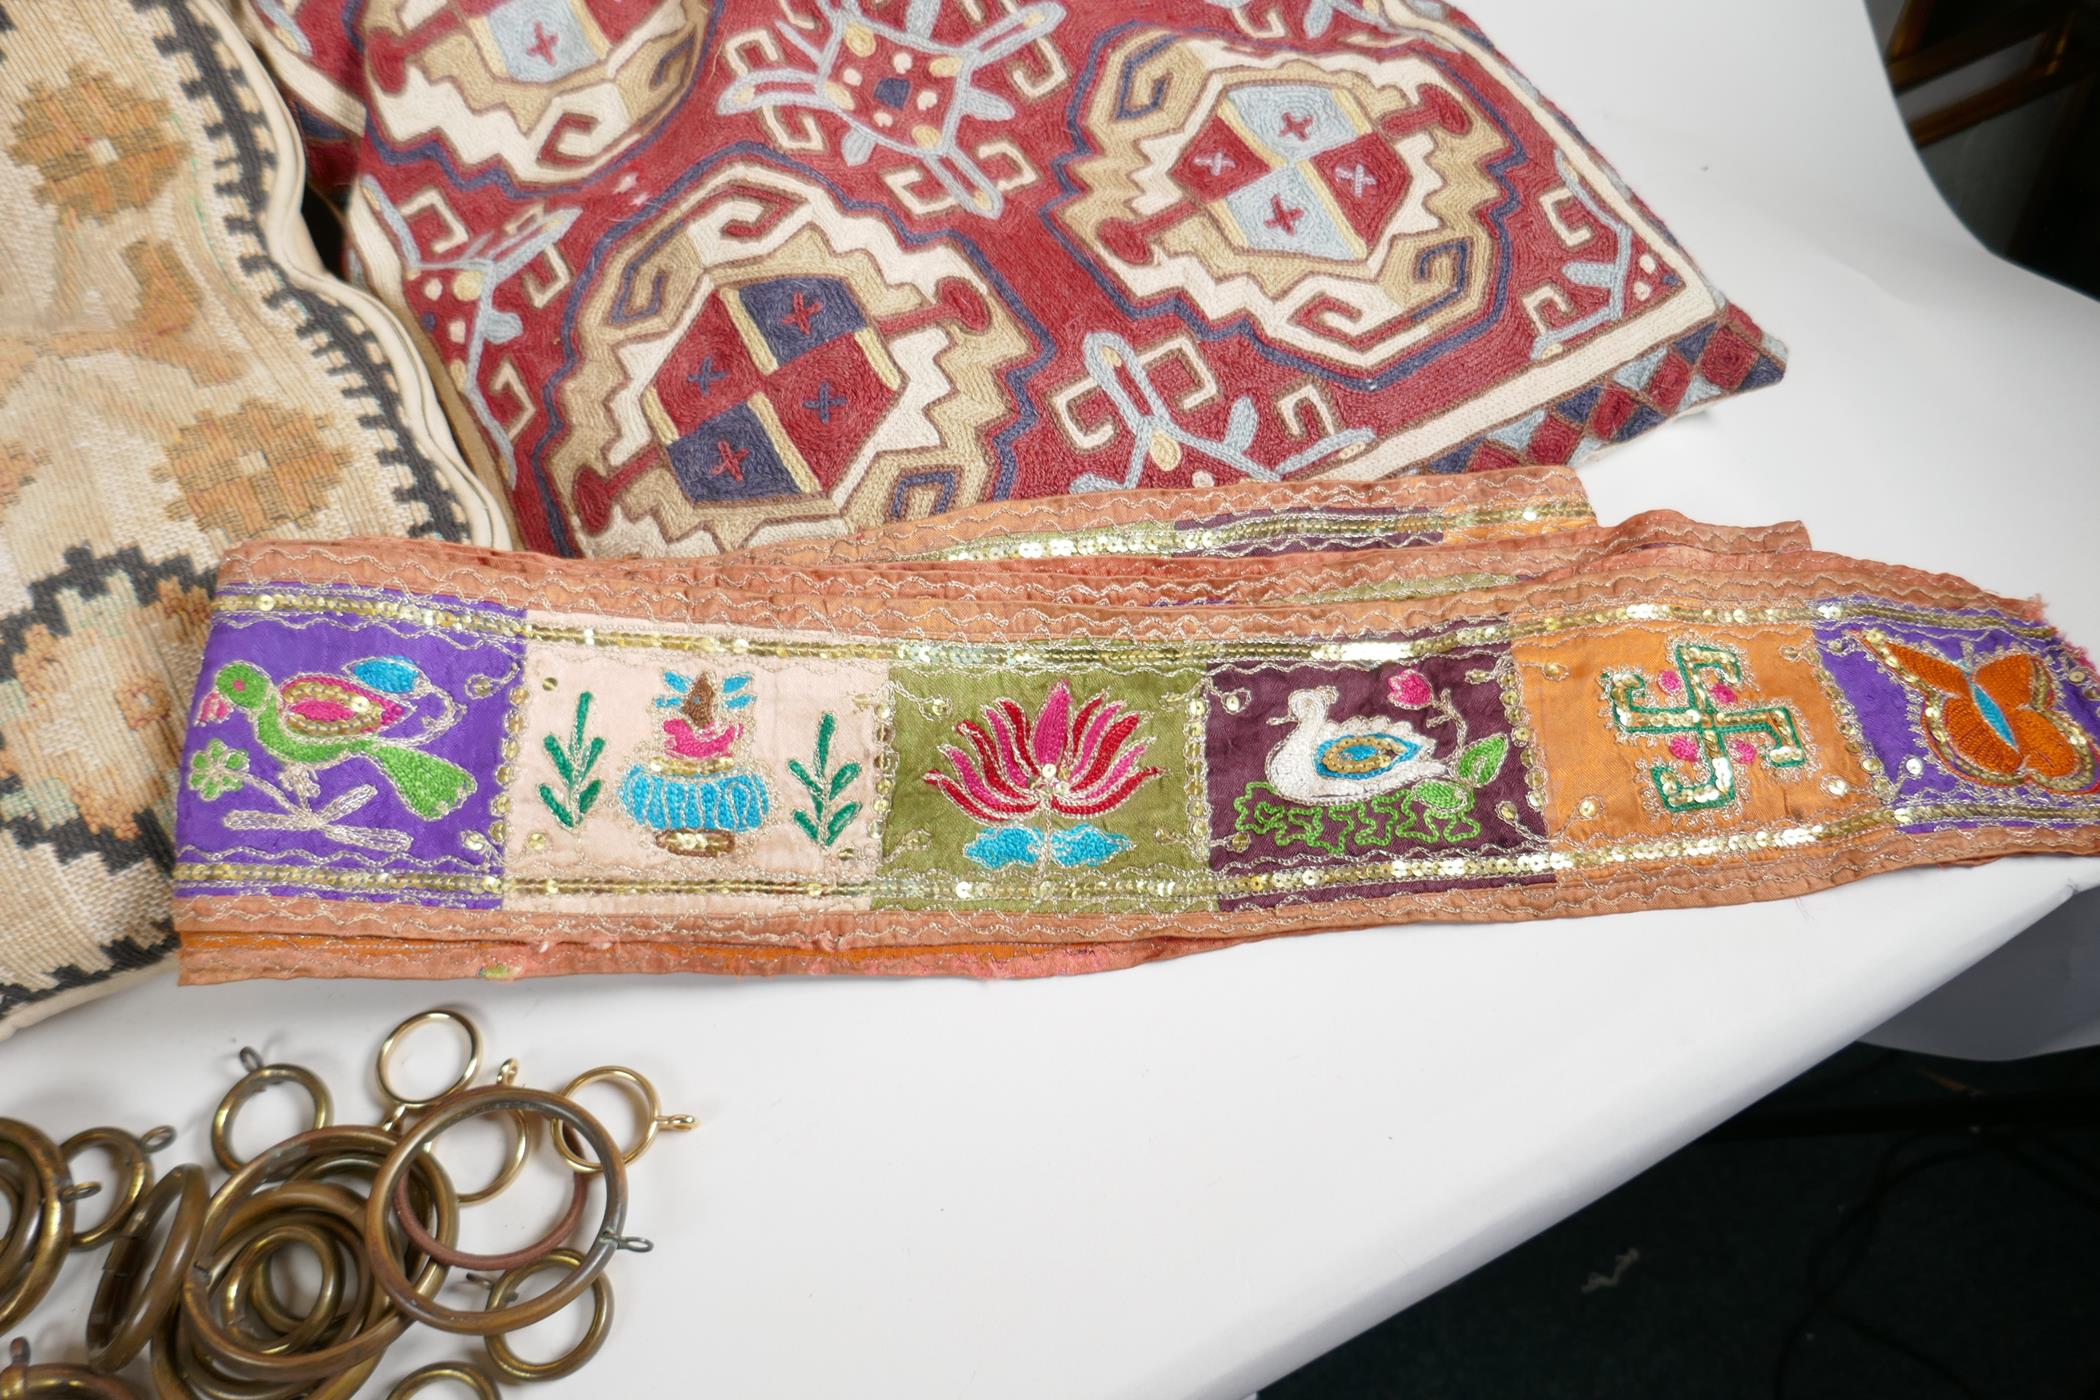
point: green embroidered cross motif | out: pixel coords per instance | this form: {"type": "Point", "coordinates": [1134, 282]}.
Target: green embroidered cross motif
{"type": "Point", "coordinates": [1706, 722]}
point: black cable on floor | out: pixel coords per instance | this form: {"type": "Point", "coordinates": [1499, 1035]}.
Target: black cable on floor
{"type": "Point", "coordinates": [1857, 1228]}
{"type": "Point", "coordinates": [1838, 1255]}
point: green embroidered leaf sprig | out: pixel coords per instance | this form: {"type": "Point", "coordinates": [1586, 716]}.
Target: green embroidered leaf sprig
{"type": "Point", "coordinates": [826, 820]}
{"type": "Point", "coordinates": [1479, 761]}
{"type": "Point", "coordinates": [573, 761]}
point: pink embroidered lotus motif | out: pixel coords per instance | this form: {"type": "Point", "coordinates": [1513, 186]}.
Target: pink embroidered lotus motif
{"type": "Point", "coordinates": [1057, 762]}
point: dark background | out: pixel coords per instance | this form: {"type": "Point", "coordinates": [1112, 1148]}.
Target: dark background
{"type": "Point", "coordinates": [1999, 97]}
{"type": "Point", "coordinates": [1867, 1258]}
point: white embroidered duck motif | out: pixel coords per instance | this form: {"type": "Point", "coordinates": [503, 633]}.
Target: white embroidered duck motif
{"type": "Point", "coordinates": [1326, 762]}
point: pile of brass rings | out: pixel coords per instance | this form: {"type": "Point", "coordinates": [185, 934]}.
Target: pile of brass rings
{"type": "Point", "coordinates": [472, 1378]}
{"type": "Point", "coordinates": [606, 1239]}
{"type": "Point", "coordinates": [198, 1282]}
{"type": "Point", "coordinates": [654, 1119]}
{"type": "Point", "coordinates": [224, 1335]}
{"type": "Point", "coordinates": [22, 1380]}
{"type": "Point", "coordinates": [515, 1367]}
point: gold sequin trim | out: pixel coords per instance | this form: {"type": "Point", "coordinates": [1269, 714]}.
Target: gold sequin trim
{"type": "Point", "coordinates": [1158, 539]}
{"type": "Point", "coordinates": [1084, 651]}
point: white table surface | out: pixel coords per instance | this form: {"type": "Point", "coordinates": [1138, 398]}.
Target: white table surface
{"type": "Point", "coordinates": [1188, 1179]}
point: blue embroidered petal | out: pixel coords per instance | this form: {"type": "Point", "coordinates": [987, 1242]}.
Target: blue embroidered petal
{"type": "Point", "coordinates": [679, 683]}
{"type": "Point", "coordinates": [997, 847]}
{"type": "Point", "coordinates": [393, 675]}
{"type": "Point", "coordinates": [1086, 844]}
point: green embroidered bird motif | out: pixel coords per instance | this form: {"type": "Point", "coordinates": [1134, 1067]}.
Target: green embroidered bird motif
{"type": "Point", "coordinates": [315, 721]}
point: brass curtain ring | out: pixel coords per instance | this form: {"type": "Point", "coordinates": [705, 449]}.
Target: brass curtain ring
{"type": "Point", "coordinates": [460, 1259]}
{"type": "Point", "coordinates": [258, 1078]}
{"type": "Point", "coordinates": [339, 1212]}
{"type": "Point", "coordinates": [242, 1282]}
{"type": "Point", "coordinates": [132, 1175]}
{"type": "Point", "coordinates": [21, 1216]}
{"type": "Point", "coordinates": [234, 1256]}
{"type": "Point", "coordinates": [392, 1044]}
{"type": "Point", "coordinates": [43, 1228]}
{"type": "Point", "coordinates": [180, 1372]}
{"type": "Point", "coordinates": [472, 1377]}
{"type": "Point", "coordinates": [23, 1381]}
{"type": "Point", "coordinates": [125, 1312]}
{"type": "Point", "coordinates": [514, 1367]}
{"type": "Point", "coordinates": [336, 1212]}
{"type": "Point", "coordinates": [383, 1253]}
{"type": "Point", "coordinates": [260, 1292]}
{"type": "Point", "coordinates": [496, 1098]}
{"type": "Point", "coordinates": [239, 1371]}
{"type": "Point", "coordinates": [654, 1119]}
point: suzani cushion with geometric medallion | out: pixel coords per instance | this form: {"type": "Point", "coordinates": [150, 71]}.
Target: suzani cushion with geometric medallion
{"type": "Point", "coordinates": [699, 274]}
{"type": "Point", "coordinates": [177, 375]}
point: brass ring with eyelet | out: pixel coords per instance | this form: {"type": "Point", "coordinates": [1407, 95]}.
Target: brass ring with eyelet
{"type": "Point", "coordinates": [514, 1367]}
{"type": "Point", "coordinates": [258, 1078]}
{"type": "Point", "coordinates": [654, 1119]}
{"type": "Point", "coordinates": [409, 1103]}
{"type": "Point", "coordinates": [472, 1377]}
{"type": "Point", "coordinates": [496, 1098]}
{"type": "Point", "coordinates": [383, 1250]}
{"type": "Point", "coordinates": [23, 1381]}
{"type": "Point", "coordinates": [40, 1234]}
{"type": "Point", "coordinates": [132, 1176]}
{"type": "Point", "coordinates": [126, 1312]}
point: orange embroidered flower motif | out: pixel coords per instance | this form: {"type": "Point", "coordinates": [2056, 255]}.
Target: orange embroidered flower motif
{"type": "Point", "coordinates": [100, 146]}
{"type": "Point", "coordinates": [18, 469]}
{"type": "Point", "coordinates": [1996, 722]}
{"type": "Point", "coordinates": [257, 469]}
{"type": "Point", "coordinates": [91, 725]}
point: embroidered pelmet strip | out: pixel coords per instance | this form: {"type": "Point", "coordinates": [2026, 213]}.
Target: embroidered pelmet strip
{"type": "Point", "coordinates": [1071, 736]}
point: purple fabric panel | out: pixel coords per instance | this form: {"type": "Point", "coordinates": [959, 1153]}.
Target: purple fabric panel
{"type": "Point", "coordinates": [293, 779]}
{"type": "Point", "coordinates": [1889, 712]}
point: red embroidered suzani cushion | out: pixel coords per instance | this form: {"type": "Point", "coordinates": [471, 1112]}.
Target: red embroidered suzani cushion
{"type": "Point", "coordinates": [700, 275]}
